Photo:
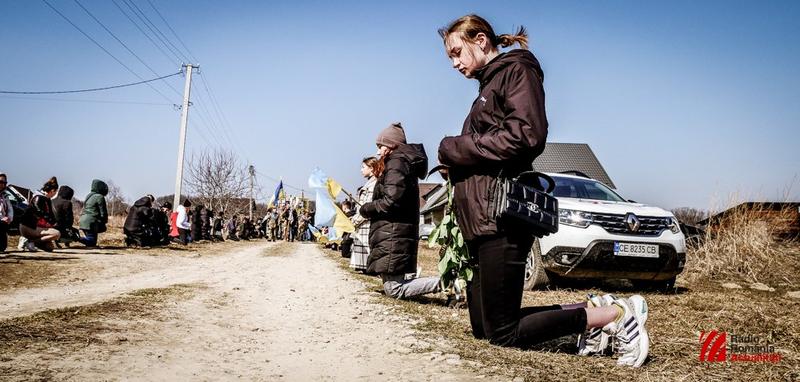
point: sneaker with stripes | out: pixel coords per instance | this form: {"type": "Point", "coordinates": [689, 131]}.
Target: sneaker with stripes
{"type": "Point", "coordinates": [630, 338]}
{"type": "Point", "coordinates": [595, 341]}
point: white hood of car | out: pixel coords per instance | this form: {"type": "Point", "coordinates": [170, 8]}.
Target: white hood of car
{"type": "Point", "coordinates": [607, 207]}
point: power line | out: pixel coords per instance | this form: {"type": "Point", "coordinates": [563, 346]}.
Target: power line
{"type": "Point", "coordinates": [92, 89]}
{"type": "Point", "coordinates": [172, 30]}
{"type": "Point", "coordinates": [123, 44]}
{"type": "Point", "coordinates": [279, 180]}
{"type": "Point", "coordinates": [169, 58]}
{"type": "Point", "coordinates": [203, 113]}
{"type": "Point", "coordinates": [86, 100]}
{"type": "Point", "coordinates": [223, 124]}
{"type": "Point", "coordinates": [205, 124]}
{"type": "Point", "coordinates": [224, 128]}
{"type": "Point", "coordinates": [149, 25]}
{"type": "Point", "coordinates": [221, 116]}
{"type": "Point", "coordinates": [104, 49]}
{"type": "Point", "coordinates": [210, 123]}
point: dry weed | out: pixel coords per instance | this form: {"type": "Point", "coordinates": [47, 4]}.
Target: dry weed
{"type": "Point", "coordinates": [745, 245]}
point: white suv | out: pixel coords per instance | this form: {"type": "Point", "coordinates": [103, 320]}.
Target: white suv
{"type": "Point", "coordinates": [602, 235]}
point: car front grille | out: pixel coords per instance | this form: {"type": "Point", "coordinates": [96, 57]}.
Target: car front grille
{"type": "Point", "coordinates": [648, 225]}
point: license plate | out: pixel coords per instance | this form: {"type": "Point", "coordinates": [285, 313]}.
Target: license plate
{"type": "Point", "coordinates": [635, 250]}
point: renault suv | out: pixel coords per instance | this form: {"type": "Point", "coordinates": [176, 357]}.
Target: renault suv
{"type": "Point", "coordinates": [601, 235]}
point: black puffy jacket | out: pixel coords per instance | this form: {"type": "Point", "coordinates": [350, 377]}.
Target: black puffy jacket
{"type": "Point", "coordinates": [62, 208]}
{"type": "Point", "coordinates": [394, 212]}
{"type": "Point", "coordinates": [139, 222]}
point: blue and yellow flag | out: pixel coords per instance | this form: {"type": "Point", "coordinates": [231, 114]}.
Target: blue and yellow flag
{"type": "Point", "coordinates": [279, 195]}
{"type": "Point", "coordinates": [328, 214]}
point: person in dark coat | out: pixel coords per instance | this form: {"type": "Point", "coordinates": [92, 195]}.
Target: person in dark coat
{"type": "Point", "coordinates": [394, 216]}
{"type": "Point", "coordinates": [62, 208]}
{"type": "Point", "coordinates": [216, 234]}
{"type": "Point", "coordinates": [505, 131]}
{"type": "Point", "coordinates": [233, 228]}
{"type": "Point", "coordinates": [38, 222]}
{"type": "Point", "coordinates": [161, 223]}
{"type": "Point", "coordinates": [139, 227]}
{"type": "Point", "coordinates": [208, 219]}
{"type": "Point", "coordinates": [197, 223]}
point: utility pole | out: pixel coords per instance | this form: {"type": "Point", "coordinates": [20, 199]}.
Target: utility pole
{"type": "Point", "coordinates": [252, 175]}
{"type": "Point", "coordinates": [182, 142]}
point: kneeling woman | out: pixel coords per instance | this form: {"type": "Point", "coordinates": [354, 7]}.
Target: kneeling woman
{"type": "Point", "coordinates": [504, 132]}
{"type": "Point", "coordinates": [394, 216]}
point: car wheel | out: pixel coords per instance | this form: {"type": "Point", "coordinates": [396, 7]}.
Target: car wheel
{"type": "Point", "coordinates": [535, 275]}
{"type": "Point", "coordinates": [659, 286]}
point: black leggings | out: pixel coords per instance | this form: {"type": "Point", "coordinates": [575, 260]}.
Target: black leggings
{"type": "Point", "coordinates": [494, 296]}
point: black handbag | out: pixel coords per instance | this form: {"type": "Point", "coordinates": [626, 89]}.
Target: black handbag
{"type": "Point", "coordinates": [525, 200]}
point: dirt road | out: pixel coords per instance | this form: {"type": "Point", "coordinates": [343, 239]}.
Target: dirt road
{"type": "Point", "coordinates": [256, 312]}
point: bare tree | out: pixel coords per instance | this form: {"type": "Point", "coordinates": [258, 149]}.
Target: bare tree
{"type": "Point", "coordinates": [115, 199]}
{"type": "Point", "coordinates": [218, 180]}
{"type": "Point", "coordinates": [688, 215]}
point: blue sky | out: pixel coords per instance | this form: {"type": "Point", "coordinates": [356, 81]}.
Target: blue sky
{"type": "Point", "coordinates": [684, 103]}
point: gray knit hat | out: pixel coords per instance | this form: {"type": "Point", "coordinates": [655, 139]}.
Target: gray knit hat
{"type": "Point", "coordinates": [392, 136]}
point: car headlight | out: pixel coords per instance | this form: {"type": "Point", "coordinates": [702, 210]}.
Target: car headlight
{"type": "Point", "coordinates": [574, 218]}
{"type": "Point", "coordinates": [674, 225]}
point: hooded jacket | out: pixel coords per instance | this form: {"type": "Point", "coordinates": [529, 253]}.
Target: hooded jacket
{"type": "Point", "coordinates": [394, 212]}
{"type": "Point", "coordinates": [95, 213]}
{"type": "Point", "coordinates": [62, 208]}
{"type": "Point", "coordinates": [505, 130]}
{"type": "Point", "coordinates": [139, 221]}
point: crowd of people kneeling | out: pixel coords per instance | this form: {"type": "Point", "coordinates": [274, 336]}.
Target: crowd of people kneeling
{"type": "Point", "coordinates": [46, 223]}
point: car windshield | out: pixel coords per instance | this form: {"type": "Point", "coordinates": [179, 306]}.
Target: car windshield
{"type": "Point", "coordinates": [11, 196]}
{"type": "Point", "coordinates": [584, 189]}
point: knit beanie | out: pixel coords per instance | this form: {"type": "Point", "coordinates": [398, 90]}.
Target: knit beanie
{"type": "Point", "coordinates": [392, 136]}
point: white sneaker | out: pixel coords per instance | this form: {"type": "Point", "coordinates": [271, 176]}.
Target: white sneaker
{"type": "Point", "coordinates": [594, 340]}
{"type": "Point", "coordinates": [30, 246]}
{"type": "Point", "coordinates": [631, 340]}
{"type": "Point", "coordinates": [21, 243]}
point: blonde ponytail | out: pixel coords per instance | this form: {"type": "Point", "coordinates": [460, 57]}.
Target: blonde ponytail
{"type": "Point", "coordinates": [521, 38]}
{"type": "Point", "coordinates": [469, 26]}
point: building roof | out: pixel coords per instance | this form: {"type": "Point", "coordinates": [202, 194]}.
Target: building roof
{"type": "Point", "coordinates": [572, 157]}
{"type": "Point", "coordinates": [435, 200]}
{"type": "Point", "coordinates": [424, 190]}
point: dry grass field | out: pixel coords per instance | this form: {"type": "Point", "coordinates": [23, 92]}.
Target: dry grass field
{"type": "Point", "coordinates": [744, 253]}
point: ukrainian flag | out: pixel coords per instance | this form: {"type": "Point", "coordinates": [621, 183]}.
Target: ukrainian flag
{"type": "Point", "coordinates": [279, 194]}
{"type": "Point", "coordinates": [328, 213]}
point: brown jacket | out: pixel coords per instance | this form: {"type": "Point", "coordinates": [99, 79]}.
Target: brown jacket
{"type": "Point", "coordinates": [505, 130]}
